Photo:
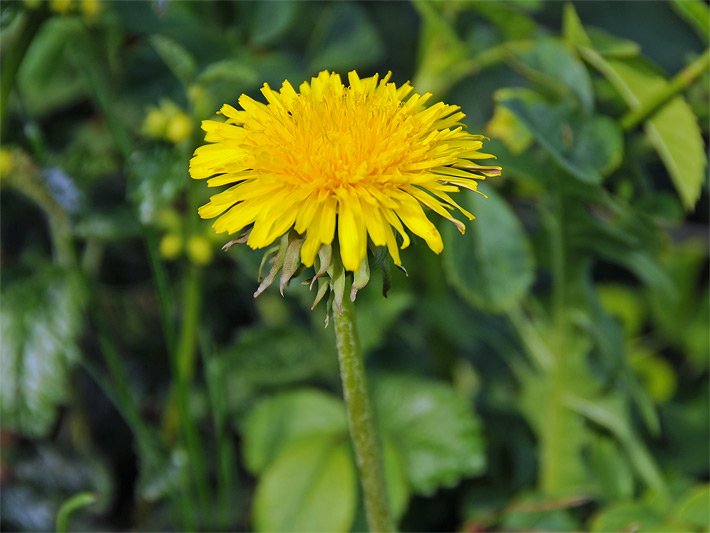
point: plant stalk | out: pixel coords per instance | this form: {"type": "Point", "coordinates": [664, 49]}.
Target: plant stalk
{"type": "Point", "coordinates": [678, 84]}
{"type": "Point", "coordinates": [360, 420]}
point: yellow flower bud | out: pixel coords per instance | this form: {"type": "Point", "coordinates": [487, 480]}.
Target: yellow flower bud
{"type": "Point", "coordinates": [170, 245]}
{"type": "Point", "coordinates": [61, 6]}
{"type": "Point", "coordinates": [179, 128]}
{"type": "Point", "coordinates": [90, 9]}
{"type": "Point", "coordinates": [6, 162]}
{"type": "Point", "coordinates": [199, 250]}
{"type": "Point", "coordinates": [155, 123]}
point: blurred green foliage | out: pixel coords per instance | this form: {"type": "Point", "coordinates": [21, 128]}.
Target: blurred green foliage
{"type": "Point", "coordinates": [549, 371]}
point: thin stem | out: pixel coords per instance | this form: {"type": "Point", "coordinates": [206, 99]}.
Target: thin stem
{"type": "Point", "coordinates": [678, 84]}
{"type": "Point", "coordinates": [360, 419]}
{"type": "Point", "coordinates": [76, 502]}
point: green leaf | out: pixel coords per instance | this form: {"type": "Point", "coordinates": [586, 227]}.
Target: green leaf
{"type": "Point", "coordinates": [73, 504]}
{"type": "Point", "coordinates": [271, 20]}
{"type": "Point", "coordinates": [344, 38]}
{"type": "Point", "coordinates": [376, 316]}
{"type": "Point", "coordinates": [275, 356]}
{"type": "Point", "coordinates": [694, 509]}
{"type": "Point", "coordinates": [40, 320]}
{"type": "Point", "coordinates": [492, 265]}
{"type": "Point", "coordinates": [552, 63]}
{"type": "Point", "coordinates": [396, 479]}
{"type": "Point", "coordinates": [176, 57]}
{"type": "Point", "coordinates": [436, 431]}
{"type": "Point", "coordinates": [626, 516]}
{"type": "Point", "coordinates": [311, 486]}
{"type": "Point", "coordinates": [587, 147]}
{"type": "Point", "coordinates": [158, 175]}
{"type": "Point", "coordinates": [572, 28]}
{"type": "Point", "coordinates": [610, 468]}
{"type": "Point", "coordinates": [673, 130]}
{"type": "Point", "coordinates": [697, 14]}
{"type": "Point", "coordinates": [278, 421]}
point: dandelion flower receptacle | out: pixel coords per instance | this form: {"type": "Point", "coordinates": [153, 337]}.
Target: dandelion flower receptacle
{"type": "Point", "coordinates": [339, 167]}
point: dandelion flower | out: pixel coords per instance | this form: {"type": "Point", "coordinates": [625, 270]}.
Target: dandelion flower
{"type": "Point", "coordinates": [339, 166]}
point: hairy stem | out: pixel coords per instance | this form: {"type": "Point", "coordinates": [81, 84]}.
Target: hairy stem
{"type": "Point", "coordinates": [360, 419]}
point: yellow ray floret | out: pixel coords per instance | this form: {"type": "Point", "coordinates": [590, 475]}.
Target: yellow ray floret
{"type": "Point", "coordinates": [360, 160]}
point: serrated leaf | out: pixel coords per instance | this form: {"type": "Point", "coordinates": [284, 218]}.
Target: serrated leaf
{"type": "Point", "coordinates": [39, 325]}
{"type": "Point", "coordinates": [279, 420]}
{"type": "Point", "coordinates": [673, 130]}
{"type": "Point", "coordinates": [587, 147]}
{"type": "Point", "coordinates": [311, 486]}
{"type": "Point", "coordinates": [176, 57]}
{"type": "Point", "coordinates": [491, 266]}
{"type": "Point", "coordinates": [346, 39]}
{"type": "Point", "coordinates": [436, 432]}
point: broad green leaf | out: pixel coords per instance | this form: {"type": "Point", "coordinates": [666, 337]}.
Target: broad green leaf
{"type": "Point", "coordinates": [40, 320]}
{"type": "Point", "coordinates": [610, 468]}
{"type": "Point", "coordinates": [627, 516]}
{"type": "Point", "coordinates": [611, 46]}
{"type": "Point", "coordinates": [176, 57]}
{"type": "Point", "coordinates": [278, 421]}
{"type": "Point", "coordinates": [434, 430]}
{"type": "Point", "coordinates": [46, 78]}
{"type": "Point", "coordinates": [694, 509]}
{"type": "Point", "coordinates": [157, 175]}
{"type": "Point", "coordinates": [344, 38]}
{"type": "Point", "coordinates": [587, 147]}
{"type": "Point", "coordinates": [311, 486]}
{"type": "Point", "coordinates": [271, 20]}
{"type": "Point", "coordinates": [610, 412]}
{"type": "Point", "coordinates": [491, 266]}
{"type": "Point", "coordinates": [673, 130]}
{"type": "Point", "coordinates": [552, 63]}
{"type": "Point", "coordinates": [572, 28]}
{"type": "Point", "coordinates": [697, 14]}
{"type": "Point", "coordinates": [508, 17]}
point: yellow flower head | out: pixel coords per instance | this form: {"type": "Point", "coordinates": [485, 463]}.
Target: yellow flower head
{"type": "Point", "coordinates": [360, 161]}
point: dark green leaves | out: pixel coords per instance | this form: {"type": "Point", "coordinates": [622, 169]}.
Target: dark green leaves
{"type": "Point", "coordinates": [39, 322]}
{"type": "Point", "coordinates": [587, 147]}
{"type": "Point", "coordinates": [491, 266]}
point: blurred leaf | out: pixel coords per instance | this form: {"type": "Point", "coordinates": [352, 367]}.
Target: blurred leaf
{"type": "Point", "coordinates": [626, 516]}
{"type": "Point", "coordinates": [46, 79]}
{"type": "Point", "coordinates": [694, 509]}
{"type": "Point", "coordinates": [161, 474]}
{"type": "Point", "coordinates": [176, 57]}
{"type": "Point", "coordinates": [311, 486]}
{"type": "Point", "coordinates": [39, 479]}
{"type": "Point", "coordinates": [40, 320]}
{"type": "Point", "coordinates": [504, 125]}
{"type": "Point", "coordinates": [537, 513]}
{"type": "Point", "coordinates": [280, 420]}
{"type": "Point", "coordinates": [588, 148]}
{"type": "Point", "coordinates": [70, 506]}
{"type": "Point", "coordinates": [697, 14]}
{"type": "Point", "coordinates": [118, 224]}
{"type": "Point", "coordinates": [396, 479]}
{"type": "Point", "coordinates": [508, 17]}
{"type": "Point", "coordinates": [551, 62]}
{"type": "Point", "coordinates": [436, 432]}
{"type": "Point", "coordinates": [623, 303]}
{"type": "Point", "coordinates": [376, 317]}
{"type": "Point", "coordinates": [673, 130]}
{"type": "Point", "coordinates": [611, 46]}
{"type": "Point", "coordinates": [572, 28]}
{"type": "Point", "coordinates": [492, 266]}
{"type": "Point", "coordinates": [343, 39]}
{"type": "Point", "coordinates": [274, 356]}
{"type": "Point", "coordinates": [230, 70]}
{"type": "Point", "coordinates": [159, 174]}
{"type": "Point", "coordinates": [610, 468]}
{"type": "Point", "coordinates": [272, 19]}
{"type": "Point", "coordinates": [611, 413]}
{"type": "Point", "coordinates": [655, 373]}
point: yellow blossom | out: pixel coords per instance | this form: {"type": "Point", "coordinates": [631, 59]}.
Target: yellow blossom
{"type": "Point", "coordinates": [6, 162]}
{"type": "Point", "coordinates": [357, 163]}
{"type": "Point", "coordinates": [199, 249]}
{"type": "Point", "coordinates": [179, 127]}
{"type": "Point", "coordinates": [170, 245]}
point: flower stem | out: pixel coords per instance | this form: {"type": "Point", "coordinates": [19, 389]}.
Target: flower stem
{"type": "Point", "coordinates": [360, 419]}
